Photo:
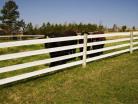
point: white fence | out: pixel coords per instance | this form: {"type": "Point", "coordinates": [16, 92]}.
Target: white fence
{"type": "Point", "coordinates": [20, 37]}
{"type": "Point", "coordinates": [129, 37]}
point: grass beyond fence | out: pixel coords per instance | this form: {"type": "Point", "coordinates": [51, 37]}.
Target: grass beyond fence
{"type": "Point", "coordinates": [107, 81]}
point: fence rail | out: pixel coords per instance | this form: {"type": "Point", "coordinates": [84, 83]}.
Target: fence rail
{"type": "Point", "coordinates": [21, 37]}
{"type": "Point", "coordinates": [130, 37]}
{"type": "Point", "coordinates": [38, 41]}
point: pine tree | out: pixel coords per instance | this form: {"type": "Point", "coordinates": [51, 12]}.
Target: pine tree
{"type": "Point", "coordinates": [9, 17]}
{"type": "Point", "coordinates": [29, 29]}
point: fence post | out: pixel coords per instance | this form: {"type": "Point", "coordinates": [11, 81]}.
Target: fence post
{"type": "Point", "coordinates": [131, 42]}
{"type": "Point", "coordinates": [84, 50]}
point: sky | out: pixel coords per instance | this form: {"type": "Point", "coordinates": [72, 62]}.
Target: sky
{"type": "Point", "coordinates": [106, 12]}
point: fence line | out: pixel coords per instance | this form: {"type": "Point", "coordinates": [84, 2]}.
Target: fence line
{"type": "Point", "coordinates": [107, 55]}
{"type": "Point", "coordinates": [37, 52]}
{"type": "Point", "coordinates": [43, 71]}
{"type": "Point", "coordinates": [108, 48]}
{"type": "Point", "coordinates": [132, 38]}
{"type": "Point", "coordinates": [109, 35]}
{"type": "Point", "coordinates": [38, 41]}
{"type": "Point", "coordinates": [40, 62]}
{"type": "Point", "coordinates": [108, 41]}
{"type": "Point", "coordinates": [8, 36]}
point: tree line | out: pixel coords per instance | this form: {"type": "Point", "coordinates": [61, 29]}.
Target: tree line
{"type": "Point", "coordinates": [60, 28]}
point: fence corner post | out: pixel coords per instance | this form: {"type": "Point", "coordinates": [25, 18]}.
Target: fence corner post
{"type": "Point", "coordinates": [84, 50]}
{"type": "Point", "coordinates": [131, 42]}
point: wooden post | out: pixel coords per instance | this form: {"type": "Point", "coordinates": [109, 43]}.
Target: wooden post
{"type": "Point", "coordinates": [131, 42]}
{"type": "Point", "coordinates": [84, 50]}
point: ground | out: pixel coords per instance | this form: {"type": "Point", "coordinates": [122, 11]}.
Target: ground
{"type": "Point", "coordinates": [107, 81]}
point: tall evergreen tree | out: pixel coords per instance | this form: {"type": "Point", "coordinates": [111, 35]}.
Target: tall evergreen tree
{"type": "Point", "coordinates": [9, 17]}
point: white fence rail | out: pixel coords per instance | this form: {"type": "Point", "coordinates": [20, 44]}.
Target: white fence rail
{"type": "Point", "coordinates": [20, 37]}
{"type": "Point", "coordinates": [128, 43]}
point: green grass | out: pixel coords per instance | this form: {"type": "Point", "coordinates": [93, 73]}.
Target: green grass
{"type": "Point", "coordinates": [108, 81]}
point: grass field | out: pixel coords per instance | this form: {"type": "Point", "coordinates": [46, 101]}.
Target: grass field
{"type": "Point", "coordinates": [108, 81]}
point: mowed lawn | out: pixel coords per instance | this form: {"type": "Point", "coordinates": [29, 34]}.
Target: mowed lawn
{"type": "Point", "coordinates": [107, 81]}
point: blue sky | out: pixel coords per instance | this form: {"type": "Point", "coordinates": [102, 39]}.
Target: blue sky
{"type": "Point", "coordinates": [107, 12]}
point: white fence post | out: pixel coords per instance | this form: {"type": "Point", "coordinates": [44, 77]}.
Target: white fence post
{"type": "Point", "coordinates": [84, 50]}
{"type": "Point", "coordinates": [131, 42]}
